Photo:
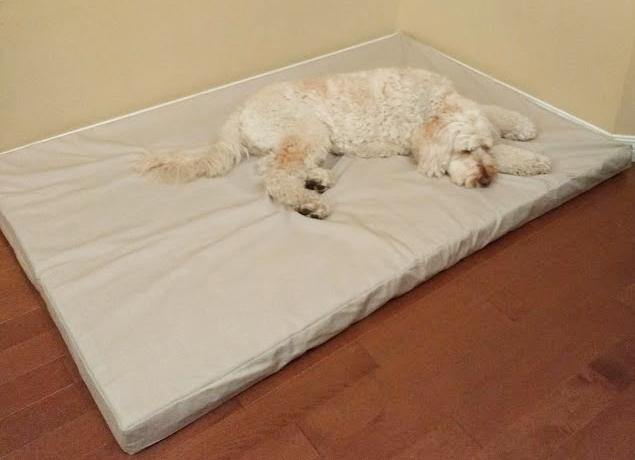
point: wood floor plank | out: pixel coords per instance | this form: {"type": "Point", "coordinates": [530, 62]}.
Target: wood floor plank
{"type": "Point", "coordinates": [368, 420]}
{"type": "Point", "coordinates": [446, 441]}
{"type": "Point", "coordinates": [568, 271]}
{"type": "Point", "coordinates": [348, 412]}
{"type": "Point", "coordinates": [7, 258]}
{"type": "Point", "coordinates": [33, 386]}
{"type": "Point", "coordinates": [609, 436]}
{"type": "Point", "coordinates": [71, 440]}
{"type": "Point", "coordinates": [24, 327]}
{"type": "Point", "coordinates": [447, 369]}
{"type": "Point", "coordinates": [547, 356]}
{"type": "Point", "coordinates": [617, 365]}
{"type": "Point", "coordinates": [627, 295]}
{"type": "Point", "coordinates": [30, 354]}
{"type": "Point", "coordinates": [429, 338]}
{"type": "Point", "coordinates": [539, 432]}
{"type": "Point", "coordinates": [287, 443]}
{"type": "Point", "coordinates": [17, 295]}
{"type": "Point", "coordinates": [71, 367]}
{"type": "Point", "coordinates": [47, 414]}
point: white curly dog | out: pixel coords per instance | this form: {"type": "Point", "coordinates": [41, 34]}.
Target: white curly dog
{"type": "Point", "coordinates": [377, 113]}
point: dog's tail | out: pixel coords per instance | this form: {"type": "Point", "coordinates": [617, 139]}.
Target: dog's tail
{"type": "Point", "coordinates": [188, 165]}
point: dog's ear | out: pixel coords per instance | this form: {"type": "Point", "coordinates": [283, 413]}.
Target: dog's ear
{"type": "Point", "coordinates": [432, 147]}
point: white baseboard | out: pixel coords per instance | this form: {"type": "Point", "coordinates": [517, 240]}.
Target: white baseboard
{"type": "Point", "coordinates": [206, 91]}
{"type": "Point", "coordinates": [623, 138]}
{"type": "Point", "coordinates": [628, 139]}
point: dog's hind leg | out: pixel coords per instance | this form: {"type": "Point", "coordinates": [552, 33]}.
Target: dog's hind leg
{"type": "Point", "coordinates": [509, 124]}
{"type": "Point", "coordinates": [293, 177]}
{"type": "Point", "coordinates": [519, 162]}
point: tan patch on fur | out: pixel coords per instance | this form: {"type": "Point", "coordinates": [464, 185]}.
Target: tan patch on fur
{"type": "Point", "coordinates": [431, 128]}
{"type": "Point", "coordinates": [489, 164]}
{"type": "Point", "coordinates": [314, 85]}
{"type": "Point", "coordinates": [356, 90]}
{"type": "Point", "coordinates": [448, 107]}
{"type": "Point", "coordinates": [487, 171]}
{"type": "Point", "coordinates": [423, 136]}
{"type": "Point", "coordinates": [490, 170]}
{"type": "Point", "coordinates": [484, 178]}
{"type": "Point", "coordinates": [292, 153]}
{"type": "Point", "coordinates": [360, 96]}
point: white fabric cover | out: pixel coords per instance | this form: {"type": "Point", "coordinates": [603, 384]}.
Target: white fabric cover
{"type": "Point", "coordinates": [174, 298]}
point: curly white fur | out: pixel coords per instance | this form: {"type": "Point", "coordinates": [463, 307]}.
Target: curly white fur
{"type": "Point", "coordinates": [377, 113]}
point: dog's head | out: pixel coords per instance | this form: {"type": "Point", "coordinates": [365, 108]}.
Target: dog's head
{"type": "Point", "coordinates": [470, 161]}
{"type": "Point", "coordinates": [461, 134]}
{"type": "Point", "coordinates": [460, 131]}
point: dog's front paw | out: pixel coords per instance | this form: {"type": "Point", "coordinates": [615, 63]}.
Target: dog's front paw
{"type": "Point", "coordinates": [319, 179]}
{"type": "Point", "coordinates": [524, 130]}
{"type": "Point", "coordinates": [314, 209]}
{"type": "Point", "coordinates": [542, 165]}
{"type": "Point", "coordinates": [533, 165]}
{"type": "Point", "coordinates": [431, 170]}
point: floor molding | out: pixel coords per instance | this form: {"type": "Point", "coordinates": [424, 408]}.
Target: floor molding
{"type": "Point", "coordinates": [205, 91]}
{"type": "Point", "coordinates": [628, 139]}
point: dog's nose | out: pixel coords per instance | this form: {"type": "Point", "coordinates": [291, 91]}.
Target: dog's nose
{"type": "Point", "coordinates": [485, 180]}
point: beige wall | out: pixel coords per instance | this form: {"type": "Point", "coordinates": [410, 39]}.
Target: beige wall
{"type": "Point", "coordinates": [69, 63]}
{"type": "Point", "coordinates": [574, 54]}
{"type": "Point", "coordinates": [625, 123]}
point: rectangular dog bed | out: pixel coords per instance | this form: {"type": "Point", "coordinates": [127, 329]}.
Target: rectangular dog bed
{"type": "Point", "coordinates": [173, 299]}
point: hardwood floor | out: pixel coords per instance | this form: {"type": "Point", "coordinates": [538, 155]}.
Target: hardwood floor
{"type": "Point", "coordinates": [523, 350]}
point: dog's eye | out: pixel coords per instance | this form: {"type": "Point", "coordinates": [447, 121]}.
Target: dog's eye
{"type": "Point", "coordinates": [466, 152]}
{"type": "Point", "coordinates": [486, 148]}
